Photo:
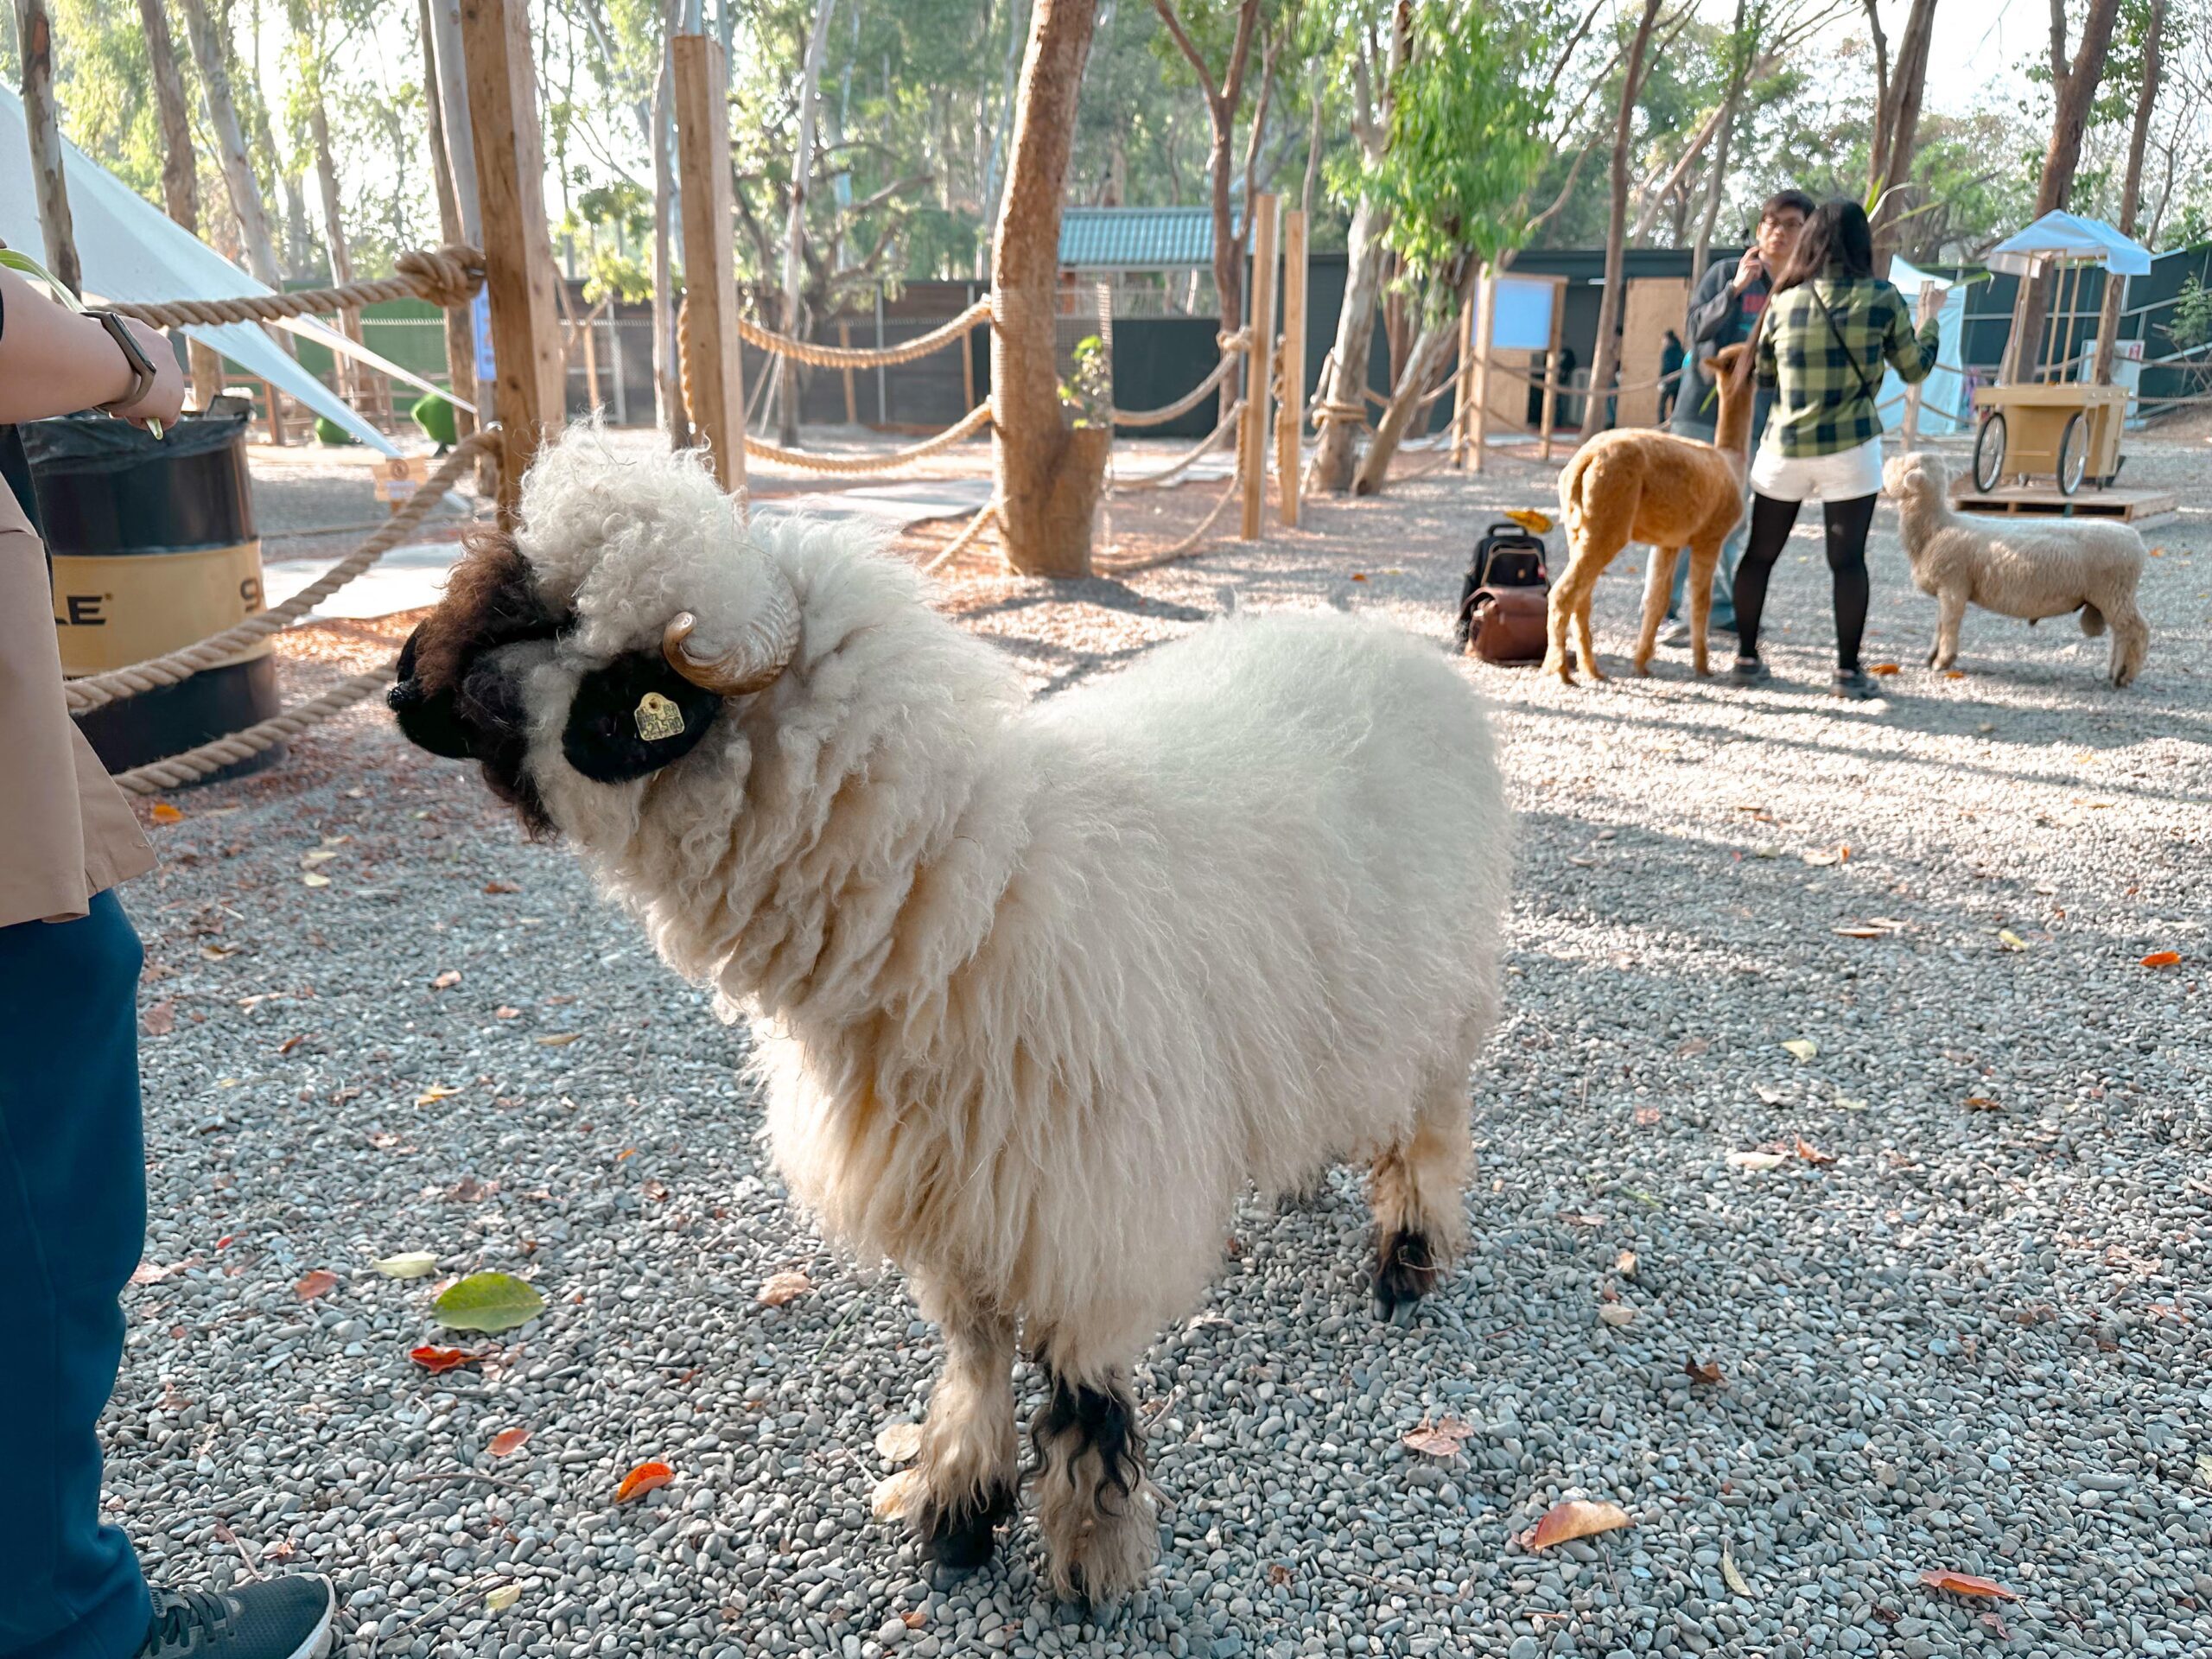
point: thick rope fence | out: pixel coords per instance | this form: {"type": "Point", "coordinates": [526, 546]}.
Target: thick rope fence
{"type": "Point", "coordinates": [447, 277]}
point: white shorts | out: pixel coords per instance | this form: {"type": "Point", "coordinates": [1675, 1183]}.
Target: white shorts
{"type": "Point", "coordinates": [1844, 476]}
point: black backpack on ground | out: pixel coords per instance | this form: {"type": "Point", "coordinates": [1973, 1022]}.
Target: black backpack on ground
{"type": "Point", "coordinates": [1507, 558]}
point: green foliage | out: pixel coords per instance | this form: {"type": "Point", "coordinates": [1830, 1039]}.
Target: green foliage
{"type": "Point", "coordinates": [1089, 395]}
{"type": "Point", "coordinates": [2190, 324]}
{"type": "Point", "coordinates": [1467, 141]}
{"type": "Point", "coordinates": [490, 1302]}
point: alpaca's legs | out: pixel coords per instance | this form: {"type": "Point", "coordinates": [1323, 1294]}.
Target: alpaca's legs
{"type": "Point", "coordinates": [1950, 612]}
{"type": "Point", "coordinates": [1702, 562]}
{"type": "Point", "coordinates": [1557, 611]}
{"type": "Point", "coordinates": [1419, 1197]}
{"type": "Point", "coordinates": [969, 1469]}
{"type": "Point", "coordinates": [1582, 640]}
{"type": "Point", "coordinates": [2131, 641]}
{"type": "Point", "coordinates": [1658, 580]}
{"type": "Point", "coordinates": [1095, 1505]}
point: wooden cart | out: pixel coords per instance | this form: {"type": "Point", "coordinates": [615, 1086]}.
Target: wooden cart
{"type": "Point", "coordinates": [2065, 430]}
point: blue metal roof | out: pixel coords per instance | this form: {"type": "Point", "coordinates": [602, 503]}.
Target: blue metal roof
{"type": "Point", "coordinates": [1136, 238]}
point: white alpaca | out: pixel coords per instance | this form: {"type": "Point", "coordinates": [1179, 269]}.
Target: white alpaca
{"type": "Point", "coordinates": [2017, 569]}
{"type": "Point", "coordinates": [1039, 988]}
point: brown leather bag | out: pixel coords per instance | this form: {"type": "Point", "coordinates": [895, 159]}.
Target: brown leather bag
{"type": "Point", "coordinates": [1506, 625]}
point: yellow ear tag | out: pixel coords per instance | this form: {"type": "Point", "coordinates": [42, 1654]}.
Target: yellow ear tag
{"type": "Point", "coordinates": [657, 717]}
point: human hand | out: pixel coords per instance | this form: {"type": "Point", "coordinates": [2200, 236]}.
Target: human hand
{"type": "Point", "coordinates": [165, 399]}
{"type": "Point", "coordinates": [1749, 269]}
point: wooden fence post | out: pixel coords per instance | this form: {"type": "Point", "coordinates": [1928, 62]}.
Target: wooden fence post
{"type": "Point", "coordinates": [717, 371]}
{"type": "Point", "coordinates": [1258, 365]}
{"type": "Point", "coordinates": [518, 251]}
{"type": "Point", "coordinates": [1551, 368]}
{"type": "Point", "coordinates": [1475, 430]}
{"type": "Point", "coordinates": [1290, 423]}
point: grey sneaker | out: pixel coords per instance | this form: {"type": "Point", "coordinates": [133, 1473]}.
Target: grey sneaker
{"type": "Point", "coordinates": [291, 1618]}
{"type": "Point", "coordinates": [1675, 634]}
{"type": "Point", "coordinates": [1749, 670]}
{"type": "Point", "coordinates": [1855, 684]}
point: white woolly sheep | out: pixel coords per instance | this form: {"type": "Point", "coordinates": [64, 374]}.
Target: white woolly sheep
{"type": "Point", "coordinates": [2015, 567]}
{"type": "Point", "coordinates": [1039, 988]}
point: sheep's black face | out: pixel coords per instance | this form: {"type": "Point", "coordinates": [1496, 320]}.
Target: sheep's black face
{"type": "Point", "coordinates": [461, 674]}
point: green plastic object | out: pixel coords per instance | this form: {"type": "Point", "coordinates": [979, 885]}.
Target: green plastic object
{"type": "Point", "coordinates": [328, 431]}
{"type": "Point", "coordinates": [435, 416]}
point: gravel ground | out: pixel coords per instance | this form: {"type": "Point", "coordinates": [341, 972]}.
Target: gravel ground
{"type": "Point", "coordinates": [1959, 1324]}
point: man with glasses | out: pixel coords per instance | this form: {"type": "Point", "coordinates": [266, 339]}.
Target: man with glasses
{"type": "Point", "coordinates": [1724, 310]}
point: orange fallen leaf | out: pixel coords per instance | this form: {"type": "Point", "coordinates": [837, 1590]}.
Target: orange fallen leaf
{"type": "Point", "coordinates": [1882, 668]}
{"type": "Point", "coordinates": [1955, 673]}
{"type": "Point", "coordinates": [1572, 1518]}
{"type": "Point", "coordinates": [507, 1440]}
{"type": "Point", "coordinates": [1646, 1117]}
{"type": "Point", "coordinates": [501, 886]}
{"type": "Point", "coordinates": [784, 1287]}
{"type": "Point", "coordinates": [507, 1013]}
{"type": "Point", "coordinates": [1360, 575]}
{"type": "Point", "coordinates": [642, 1479]}
{"type": "Point", "coordinates": [161, 1020]}
{"type": "Point", "coordinates": [163, 812]}
{"type": "Point", "coordinates": [915, 1620]}
{"type": "Point", "coordinates": [291, 1042]}
{"type": "Point", "coordinates": [1440, 1439]}
{"type": "Point", "coordinates": [435, 1360]}
{"type": "Point", "coordinates": [446, 981]}
{"type": "Point", "coordinates": [1703, 1371]}
{"type": "Point", "coordinates": [1813, 1154]}
{"type": "Point", "coordinates": [322, 1280]}
{"type": "Point", "coordinates": [2156, 959]}
{"type": "Point", "coordinates": [1966, 1584]}
{"type": "Point", "coordinates": [1982, 1103]}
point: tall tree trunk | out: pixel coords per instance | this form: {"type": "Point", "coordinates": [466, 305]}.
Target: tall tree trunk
{"type": "Point", "coordinates": [995, 167]}
{"type": "Point", "coordinates": [2077, 89]}
{"type": "Point", "coordinates": [668, 374]}
{"type": "Point", "coordinates": [2131, 189]}
{"type": "Point", "coordinates": [1741, 46]}
{"type": "Point", "coordinates": [179, 170]}
{"type": "Point", "coordinates": [817, 42]}
{"type": "Point", "coordinates": [1344, 386]}
{"type": "Point", "coordinates": [34, 38]}
{"type": "Point", "coordinates": [1898, 121]}
{"type": "Point", "coordinates": [1427, 354]}
{"type": "Point", "coordinates": [1050, 475]}
{"type": "Point", "coordinates": [1607, 356]}
{"type": "Point", "coordinates": [449, 89]}
{"type": "Point", "coordinates": [334, 221]}
{"type": "Point", "coordinates": [211, 53]}
{"type": "Point", "coordinates": [1222, 100]}
{"type": "Point", "coordinates": [461, 343]}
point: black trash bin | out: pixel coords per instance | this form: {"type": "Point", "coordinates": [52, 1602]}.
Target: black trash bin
{"type": "Point", "coordinates": [152, 546]}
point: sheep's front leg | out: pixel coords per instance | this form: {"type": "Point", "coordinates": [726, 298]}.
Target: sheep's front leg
{"type": "Point", "coordinates": [970, 1471]}
{"type": "Point", "coordinates": [1095, 1505]}
{"type": "Point", "coordinates": [1950, 612]}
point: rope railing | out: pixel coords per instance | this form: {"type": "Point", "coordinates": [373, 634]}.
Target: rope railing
{"type": "Point", "coordinates": [447, 277]}
{"type": "Point", "coordinates": [850, 465]}
{"type": "Point", "coordinates": [194, 763]}
{"type": "Point", "coordinates": [1190, 458]}
{"type": "Point", "coordinates": [958, 544]}
{"type": "Point", "coordinates": [865, 357]}
{"type": "Point", "coordinates": [1183, 405]}
{"type": "Point", "coordinates": [96, 690]}
{"type": "Point", "coordinates": [1230, 492]}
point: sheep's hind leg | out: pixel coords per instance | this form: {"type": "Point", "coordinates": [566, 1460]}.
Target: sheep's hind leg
{"type": "Point", "coordinates": [970, 1471]}
{"type": "Point", "coordinates": [1421, 1218]}
{"type": "Point", "coordinates": [1094, 1504]}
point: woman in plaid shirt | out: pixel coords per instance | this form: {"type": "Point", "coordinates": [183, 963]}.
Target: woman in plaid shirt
{"type": "Point", "coordinates": [1829, 328]}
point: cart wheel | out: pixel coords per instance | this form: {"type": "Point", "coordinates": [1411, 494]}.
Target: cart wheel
{"type": "Point", "coordinates": [1989, 453]}
{"type": "Point", "coordinates": [2073, 454]}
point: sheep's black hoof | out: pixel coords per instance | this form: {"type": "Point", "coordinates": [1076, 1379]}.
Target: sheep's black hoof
{"type": "Point", "coordinates": [961, 1538]}
{"type": "Point", "coordinates": [1405, 1272]}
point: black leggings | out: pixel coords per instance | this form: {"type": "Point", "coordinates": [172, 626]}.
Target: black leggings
{"type": "Point", "coordinates": [1847, 524]}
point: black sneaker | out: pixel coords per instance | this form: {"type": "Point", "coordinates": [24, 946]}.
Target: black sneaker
{"type": "Point", "coordinates": [1856, 684]}
{"type": "Point", "coordinates": [1749, 670]}
{"type": "Point", "coordinates": [288, 1618]}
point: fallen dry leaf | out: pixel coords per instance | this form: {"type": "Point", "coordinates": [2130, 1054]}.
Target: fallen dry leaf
{"type": "Point", "coordinates": [2011, 940]}
{"type": "Point", "coordinates": [1881, 668]}
{"type": "Point", "coordinates": [1955, 673]}
{"type": "Point", "coordinates": [559, 1040]}
{"type": "Point", "coordinates": [1576, 1517]}
{"type": "Point", "coordinates": [643, 1479]}
{"type": "Point", "coordinates": [507, 1440]}
{"type": "Point", "coordinates": [408, 1264]}
{"type": "Point", "coordinates": [434, 1094]}
{"type": "Point", "coordinates": [1615, 1313]}
{"type": "Point", "coordinates": [895, 1494]}
{"type": "Point", "coordinates": [498, 1600]}
{"type": "Point", "coordinates": [1756, 1160]}
{"type": "Point", "coordinates": [2156, 959]}
{"type": "Point", "coordinates": [1813, 1154]}
{"type": "Point", "coordinates": [147, 1273]}
{"type": "Point", "coordinates": [1703, 1371]}
{"type": "Point", "coordinates": [1804, 1048]}
{"type": "Point", "coordinates": [1690, 1047]}
{"type": "Point", "coordinates": [435, 1360]}
{"type": "Point", "coordinates": [501, 886]}
{"type": "Point", "coordinates": [914, 1620]}
{"type": "Point", "coordinates": [446, 981]}
{"type": "Point", "coordinates": [160, 1020]}
{"type": "Point", "coordinates": [507, 1013]}
{"type": "Point", "coordinates": [782, 1287]}
{"type": "Point", "coordinates": [898, 1443]}
{"type": "Point", "coordinates": [1982, 1103]}
{"type": "Point", "coordinates": [291, 1042]}
{"type": "Point", "coordinates": [311, 880]}
{"type": "Point", "coordinates": [1440, 1439]}
{"type": "Point", "coordinates": [315, 1284]}
{"type": "Point", "coordinates": [163, 812]}
{"type": "Point", "coordinates": [321, 854]}
{"type": "Point", "coordinates": [1729, 1573]}
{"type": "Point", "coordinates": [1966, 1584]}
{"type": "Point", "coordinates": [1624, 1263]}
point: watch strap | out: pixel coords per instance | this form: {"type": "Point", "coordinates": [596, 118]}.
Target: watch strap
{"type": "Point", "coordinates": [143, 372]}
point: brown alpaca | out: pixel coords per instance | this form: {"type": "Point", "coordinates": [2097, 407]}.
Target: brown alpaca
{"type": "Point", "coordinates": [1643, 485]}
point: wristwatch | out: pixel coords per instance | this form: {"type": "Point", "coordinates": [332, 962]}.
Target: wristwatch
{"type": "Point", "coordinates": [143, 372]}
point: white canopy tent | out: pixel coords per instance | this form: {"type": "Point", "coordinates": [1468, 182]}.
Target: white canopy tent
{"type": "Point", "coordinates": [2070, 237]}
{"type": "Point", "coordinates": [133, 252]}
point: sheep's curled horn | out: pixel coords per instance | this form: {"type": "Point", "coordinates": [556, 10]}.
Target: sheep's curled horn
{"type": "Point", "coordinates": [765, 643]}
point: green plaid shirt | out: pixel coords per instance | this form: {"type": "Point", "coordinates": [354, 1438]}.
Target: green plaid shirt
{"type": "Point", "coordinates": [1823, 405]}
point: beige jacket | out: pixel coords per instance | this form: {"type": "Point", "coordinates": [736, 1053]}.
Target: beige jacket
{"type": "Point", "coordinates": [67, 832]}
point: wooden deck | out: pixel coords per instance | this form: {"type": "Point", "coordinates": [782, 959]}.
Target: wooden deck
{"type": "Point", "coordinates": [2131, 506]}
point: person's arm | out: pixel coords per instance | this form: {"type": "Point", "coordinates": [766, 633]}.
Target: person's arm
{"type": "Point", "coordinates": [55, 362]}
{"type": "Point", "coordinates": [1712, 308]}
{"type": "Point", "coordinates": [1913, 356]}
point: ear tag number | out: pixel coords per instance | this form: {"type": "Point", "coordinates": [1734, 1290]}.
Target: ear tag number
{"type": "Point", "coordinates": [657, 718]}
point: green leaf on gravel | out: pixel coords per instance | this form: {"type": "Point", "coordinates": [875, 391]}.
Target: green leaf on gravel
{"type": "Point", "coordinates": [1803, 1047]}
{"type": "Point", "coordinates": [414, 1264]}
{"type": "Point", "coordinates": [498, 1600]}
{"type": "Point", "coordinates": [489, 1302]}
